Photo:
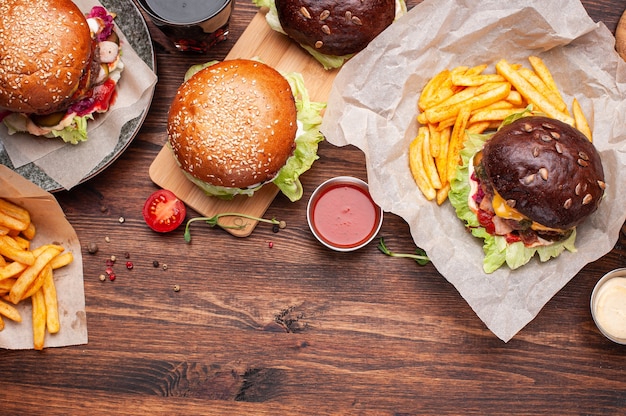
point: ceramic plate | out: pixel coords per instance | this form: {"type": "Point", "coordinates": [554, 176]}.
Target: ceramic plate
{"type": "Point", "coordinates": [134, 27]}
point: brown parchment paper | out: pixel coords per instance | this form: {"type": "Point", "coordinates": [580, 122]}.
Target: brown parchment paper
{"type": "Point", "coordinates": [52, 227]}
{"type": "Point", "coordinates": [372, 105]}
{"type": "Point", "coordinates": [68, 164]}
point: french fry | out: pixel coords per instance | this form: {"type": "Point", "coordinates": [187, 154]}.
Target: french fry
{"type": "Point", "coordinates": [12, 222]}
{"type": "Point", "coordinates": [29, 232]}
{"type": "Point", "coordinates": [416, 166]}
{"type": "Point", "coordinates": [435, 115]}
{"type": "Point", "coordinates": [38, 282]}
{"type": "Point", "coordinates": [456, 142]}
{"type": "Point", "coordinates": [493, 114]}
{"type": "Point", "coordinates": [10, 312]}
{"type": "Point", "coordinates": [427, 159]}
{"type": "Point", "coordinates": [433, 90]}
{"type": "Point", "coordinates": [12, 269]}
{"type": "Point", "coordinates": [14, 210]}
{"type": "Point", "coordinates": [6, 285]}
{"type": "Point", "coordinates": [465, 80]}
{"type": "Point", "coordinates": [530, 93]}
{"type": "Point", "coordinates": [515, 98]}
{"type": "Point", "coordinates": [441, 161]}
{"type": "Point", "coordinates": [50, 301]}
{"type": "Point", "coordinates": [30, 274]}
{"type": "Point", "coordinates": [544, 73]}
{"type": "Point", "coordinates": [543, 89]}
{"type": "Point", "coordinates": [39, 320]}
{"type": "Point", "coordinates": [434, 140]}
{"type": "Point", "coordinates": [11, 250]}
{"type": "Point", "coordinates": [478, 127]}
{"type": "Point", "coordinates": [61, 260]}
{"type": "Point", "coordinates": [22, 242]}
{"type": "Point", "coordinates": [1, 323]}
{"type": "Point", "coordinates": [580, 120]}
{"type": "Point", "coordinates": [442, 194]}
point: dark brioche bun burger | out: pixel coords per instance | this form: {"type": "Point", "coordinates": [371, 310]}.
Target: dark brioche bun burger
{"type": "Point", "coordinates": [529, 184]}
{"type": "Point", "coordinates": [332, 27]}
{"type": "Point", "coordinates": [330, 30]}
{"type": "Point", "coordinates": [233, 126]}
{"type": "Point", "coordinates": [55, 63]}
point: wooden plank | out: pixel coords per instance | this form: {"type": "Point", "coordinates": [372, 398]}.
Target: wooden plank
{"type": "Point", "coordinates": [260, 42]}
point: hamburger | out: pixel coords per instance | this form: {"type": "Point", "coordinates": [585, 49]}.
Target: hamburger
{"type": "Point", "coordinates": [236, 125]}
{"type": "Point", "coordinates": [330, 30]}
{"type": "Point", "coordinates": [525, 188]}
{"type": "Point", "coordinates": [58, 67]}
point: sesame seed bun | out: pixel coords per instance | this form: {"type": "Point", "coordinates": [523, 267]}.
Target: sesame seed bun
{"type": "Point", "coordinates": [46, 49]}
{"type": "Point", "coordinates": [233, 124]}
{"type": "Point", "coordinates": [545, 169]}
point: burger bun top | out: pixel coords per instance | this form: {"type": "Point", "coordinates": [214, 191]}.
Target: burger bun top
{"type": "Point", "coordinates": [233, 124]}
{"type": "Point", "coordinates": [335, 27]}
{"type": "Point", "coordinates": [545, 169]}
{"type": "Point", "coordinates": [46, 49]}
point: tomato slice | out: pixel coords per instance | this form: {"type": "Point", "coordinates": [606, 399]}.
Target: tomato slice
{"type": "Point", "coordinates": [163, 211]}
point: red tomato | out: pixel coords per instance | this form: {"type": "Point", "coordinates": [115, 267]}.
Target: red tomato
{"type": "Point", "coordinates": [163, 211]}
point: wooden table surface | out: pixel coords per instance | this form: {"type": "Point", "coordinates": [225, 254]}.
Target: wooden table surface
{"type": "Point", "coordinates": [295, 328]}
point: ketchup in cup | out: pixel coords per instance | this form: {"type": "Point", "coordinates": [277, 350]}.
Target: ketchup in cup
{"type": "Point", "coordinates": [342, 215]}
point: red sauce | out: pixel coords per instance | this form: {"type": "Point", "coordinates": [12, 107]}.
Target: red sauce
{"type": "Point", "coordinates": [345, 216]}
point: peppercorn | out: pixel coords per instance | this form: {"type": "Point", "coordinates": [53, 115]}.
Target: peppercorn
{"type": "Point", "coordinates": [92, 248]}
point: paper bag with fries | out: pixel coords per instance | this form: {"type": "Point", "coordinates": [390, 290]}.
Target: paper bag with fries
{"type": "Point", "coordinates": [374, 106]}
{"type": "Point", "coordinates": [42, 302]}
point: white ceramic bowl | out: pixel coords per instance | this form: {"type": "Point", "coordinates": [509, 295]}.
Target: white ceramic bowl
{"type": "Point", "coordinates": [607, 300]}
{"type": "Point", "coordinates": [342, 214]}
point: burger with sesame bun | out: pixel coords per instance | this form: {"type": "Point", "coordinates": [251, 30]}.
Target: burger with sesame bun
{"type": "Point", "coordinates": [332, 31]}
{"type": "Point", "coordinates": [525, 188]}
{"type": "Point", "coordinates": [58, 67]}
{"type": "Point", "coordinates": [237, 125]}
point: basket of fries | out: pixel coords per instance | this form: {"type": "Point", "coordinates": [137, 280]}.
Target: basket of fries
{"type": "Point", "coordinates": [41, 288]}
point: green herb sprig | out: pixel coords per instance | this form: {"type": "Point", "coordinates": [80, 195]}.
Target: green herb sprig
{"type": "Point", "coordinates": [214, 221]}
{"type": "Point", "coordinates": [420, 255]}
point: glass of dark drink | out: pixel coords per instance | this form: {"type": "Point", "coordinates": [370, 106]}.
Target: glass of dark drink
{"type": "Point", "coordinates": [192, 25]}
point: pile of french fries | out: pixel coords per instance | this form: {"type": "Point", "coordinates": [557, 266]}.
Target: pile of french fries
{"type": "Point", "coordinates": [28, 274]}
{"type": "Point", "coordinates": [468, 100]}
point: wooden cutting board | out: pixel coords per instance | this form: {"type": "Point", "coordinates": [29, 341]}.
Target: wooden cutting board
{"type": "Point", "coordinates": [260, 42]}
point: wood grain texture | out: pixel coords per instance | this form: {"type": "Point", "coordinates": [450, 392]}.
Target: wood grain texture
{"type": "Point", "coordinates": [295, 328]}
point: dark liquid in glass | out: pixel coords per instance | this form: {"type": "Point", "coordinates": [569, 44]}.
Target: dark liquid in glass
{"type": "Point", "coordinates": [193, 25]}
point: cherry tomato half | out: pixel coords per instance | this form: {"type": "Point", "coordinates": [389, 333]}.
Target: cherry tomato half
{"type": "Point", "coordinates": [163, 211]}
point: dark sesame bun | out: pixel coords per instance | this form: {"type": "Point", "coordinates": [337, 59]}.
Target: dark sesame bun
{"type": "Point", "coordinates": [46, 55]}
{"type": "Point", "coordinates": [335, 27]}
{"type": "Point", "coordinates": [546, 170]}
{"type": "Point", "coordinates": [233, 124]}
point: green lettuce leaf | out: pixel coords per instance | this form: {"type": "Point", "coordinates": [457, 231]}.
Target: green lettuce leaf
{"type": "Point", "coordinates": [497, 251]}
{"type": "Point", "coordinates": [75, 133]}
{"type": "Point", "coordinates": [309, 115]}
{"type": "Point", "coordinates": [327, 61]}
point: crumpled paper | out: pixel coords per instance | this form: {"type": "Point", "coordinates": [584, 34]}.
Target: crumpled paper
{"type": "Point", "coordinates": [51, 227]}
{"type": "Point", "coordinates": [53, 156]}
{"type": "Point", "coordinates": [372, 105]}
